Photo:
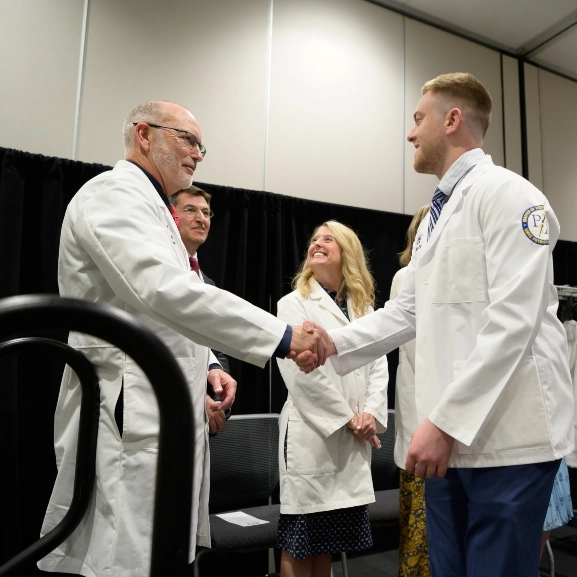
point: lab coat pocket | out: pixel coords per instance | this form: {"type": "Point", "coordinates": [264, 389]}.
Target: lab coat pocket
{"type": "Point", "coordinates": [308, 452]}
{"type": "Point", "coordinates": [459, 272]}
{"type": "Point", "coordinates": [518, 420]}
{"type": "Point", "coordinates": [140, 415]}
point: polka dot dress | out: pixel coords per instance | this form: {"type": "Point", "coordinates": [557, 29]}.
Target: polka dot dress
{"type": "Point", "coordinates": [334, 531]}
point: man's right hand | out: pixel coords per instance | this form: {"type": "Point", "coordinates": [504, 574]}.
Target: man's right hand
{"type": "Point", "coordinates": [310, 346]}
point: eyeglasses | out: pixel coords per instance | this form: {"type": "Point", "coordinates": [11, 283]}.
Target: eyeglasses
{"type": "Point", "coordinates": [193, 211]}
{"type": "Point", "coordinates": [189, 140]}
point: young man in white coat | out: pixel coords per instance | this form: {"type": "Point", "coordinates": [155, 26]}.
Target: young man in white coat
{"type": "Point", "coordinates": [492, 386]}
{"type": "Point", "coordinates": [120, 245]}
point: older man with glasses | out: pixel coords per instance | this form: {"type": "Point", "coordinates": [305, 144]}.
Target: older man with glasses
{"type": "Point", "coordinates": [120, 245]}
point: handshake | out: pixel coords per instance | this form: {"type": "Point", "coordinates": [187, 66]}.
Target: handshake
{"type": "Point", "coordinates": [310, 346]}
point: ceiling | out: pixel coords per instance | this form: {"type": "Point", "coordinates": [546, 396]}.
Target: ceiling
{"type": "Point", "coordinates": [544, 32]}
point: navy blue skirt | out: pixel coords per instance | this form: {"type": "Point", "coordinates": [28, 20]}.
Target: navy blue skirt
{"type": "Point", "coordinates": [337, 531]}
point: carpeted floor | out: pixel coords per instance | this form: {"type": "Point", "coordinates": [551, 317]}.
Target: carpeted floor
{"type": "Point", "coordinates": [563, 542]}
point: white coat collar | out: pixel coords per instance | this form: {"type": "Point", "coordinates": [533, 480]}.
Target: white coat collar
{"type": "Point", "coordinates": [148, 188]}
{"type": "Point", "coordinates": [318, 293]}
{"type": "Point", "coordinates": [455, 200]}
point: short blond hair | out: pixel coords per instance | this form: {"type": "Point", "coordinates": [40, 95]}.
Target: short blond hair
{"type": "Point", "coordinates": [357, 283]}
{"type": "Point", "coordinates": [405, 256]}
{"type": "Point", "coordinates": [464, 87]}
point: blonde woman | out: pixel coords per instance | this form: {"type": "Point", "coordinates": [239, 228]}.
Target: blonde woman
{"type": "Point", "coordinates": [413, 551]}
{"type": "Point", "coordinates": [328, 423]}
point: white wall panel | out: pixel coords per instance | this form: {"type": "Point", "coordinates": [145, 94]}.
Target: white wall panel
{"type": "Point", "coordinates": [40, 46]}
{"type": "Point", "coordinates": [335, 123]}
{"type": "Point", "coordinates": [558, 129]}
{"type": "Point", "coordinates": [207, 56]}
{"type": "Point", "coordinates": [430, 52]}
{"type": "Point", "coordinates": [533, 113]}
{"type": "Point", "coordinates": [512, 115]}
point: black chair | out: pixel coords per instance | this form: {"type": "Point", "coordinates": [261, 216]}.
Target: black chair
{"type": "Point", "coordinates": [243, 470]}
{"type": "Point", "coordinates": [384, 512]}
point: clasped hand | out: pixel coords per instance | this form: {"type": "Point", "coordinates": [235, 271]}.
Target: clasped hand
{"type": "Point", "coordinates": [310, 346]}
{"type": "Point", "coordinates": [363, 425]}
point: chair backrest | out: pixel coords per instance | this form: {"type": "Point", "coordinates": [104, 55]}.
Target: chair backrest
{"type": "Point", "coordinates": [244, 460]}
{"type": "Point", "coordinates": [383, 468]}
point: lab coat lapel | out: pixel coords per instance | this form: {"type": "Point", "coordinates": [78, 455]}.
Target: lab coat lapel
{"type": "Point", "coordinates": [319, 294]}
{"type": "Point", "coordinates": [163, 212]}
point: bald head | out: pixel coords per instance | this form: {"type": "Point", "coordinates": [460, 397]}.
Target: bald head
{"type": "Point", "coordinates": [158, 112]}
{"type": "Point", "coordinates": [164, 139]}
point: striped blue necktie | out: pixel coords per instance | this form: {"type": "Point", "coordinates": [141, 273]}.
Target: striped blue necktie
{"type": "Point", "coordinates": [436, 208]}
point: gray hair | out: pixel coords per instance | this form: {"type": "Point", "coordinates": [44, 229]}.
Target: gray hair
{"type": "Point", "coordinates": [150, 111]}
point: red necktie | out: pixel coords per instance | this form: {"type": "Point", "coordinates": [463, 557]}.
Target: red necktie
{"type": "Point", "coordinates": [174, 216]}
{"type": "Point", "coordinates": [194, 265]}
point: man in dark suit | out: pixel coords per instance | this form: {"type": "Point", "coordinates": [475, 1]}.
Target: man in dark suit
{"type": "Point", "coordinates": [193, 207]}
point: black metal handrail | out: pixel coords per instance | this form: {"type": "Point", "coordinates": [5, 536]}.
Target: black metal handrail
{"type": "Point", "coordinates": [86, 452]}
{"type": "Point", "coordinates": [173, 496]}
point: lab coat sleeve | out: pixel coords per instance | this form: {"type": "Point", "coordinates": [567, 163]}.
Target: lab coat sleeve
{"type": "Point", "coordinates": [315, 395]}
{"type": "Point", "coordinates": [519, 274]}
{"type": "Point", "coordinates": [127, 236]}
{"type": "Point", "coordinates": [376, 402]}
{"type": "Point", "coordinates": [378, 333]}
{"type": "Point", "coordinates": [212, 360]}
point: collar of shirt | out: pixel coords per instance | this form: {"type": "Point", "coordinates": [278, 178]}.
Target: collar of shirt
{"type": "Point", "coordinates": [459, 169]}
{"type": "Point", "coordinates": [154, 183]}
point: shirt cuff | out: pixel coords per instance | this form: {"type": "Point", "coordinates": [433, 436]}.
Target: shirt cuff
{"type": "Point", "coordinates": [213, 366]}
{"type": "Point", "coordinates": [285, 343]}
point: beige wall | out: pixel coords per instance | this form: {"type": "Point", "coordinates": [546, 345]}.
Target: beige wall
{"type": "Point", "coordinates": [41, 44]}
{"type": "Point", "coordinates": [309, 98]}
{"type": "Point", "coordinates": [559, 155]}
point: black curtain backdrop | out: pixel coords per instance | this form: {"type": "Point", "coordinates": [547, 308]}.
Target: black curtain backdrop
{"type": "Point", "coordinates": [256, 242]}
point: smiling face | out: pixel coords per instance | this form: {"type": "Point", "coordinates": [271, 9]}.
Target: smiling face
{"type": "Point", "coordinates": [428, 136]}
{"type": "Point", "coordinates": [193, 227]}
{"type": "Point", "coordinates": [324, 257]}
{"type": "Point", "coordinates": [171, 158]}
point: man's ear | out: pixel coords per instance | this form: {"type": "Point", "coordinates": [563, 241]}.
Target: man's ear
{"type": "Point", "coordinates": [453, 120]}
{"type": "Point", "coordinates": [142, 131]}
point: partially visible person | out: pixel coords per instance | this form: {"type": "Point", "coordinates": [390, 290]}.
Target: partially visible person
{"type": "Point", "coordinates": [560, 510]}
{"type": "Point", "coordinates": [413, 549]}
{"type": "Point", "coordinates": [120, 246]}
{"type": "Point", "coordinates": [328, 423]}
{"type": "Point", "coordinates": [193, 207]}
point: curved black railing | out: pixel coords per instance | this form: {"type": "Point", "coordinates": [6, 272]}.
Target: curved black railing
{"type": "Point", "coordinates": [86, 453]}
{"type": "Point", "coordinates": [171, 524]}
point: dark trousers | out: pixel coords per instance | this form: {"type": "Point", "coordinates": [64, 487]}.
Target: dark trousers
{"type": "Point", "coordinates": [487, 522]}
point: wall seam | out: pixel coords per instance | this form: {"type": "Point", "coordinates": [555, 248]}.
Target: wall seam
{"type": "Point", "coordinates": [542, 153]}
{"type": "Point", "coordinates": [267, 94]}
{"type": "Point", "coordinates": [404, 96]}
{"type": "Point", "coordinates": [80, 84]}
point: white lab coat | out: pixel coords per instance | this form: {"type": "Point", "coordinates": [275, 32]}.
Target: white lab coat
{"type": "Point", "coordinates": [491, 368]}
{"type": "Point", "coordinates": [327, 466]}
{"type": "Point", "coordinates": [406, 421]}
{"type": "Point", "coordinates": [120, 246]}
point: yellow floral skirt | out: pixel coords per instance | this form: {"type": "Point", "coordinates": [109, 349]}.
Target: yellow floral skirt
{"type": "Point", "coordinates": [413, 550]}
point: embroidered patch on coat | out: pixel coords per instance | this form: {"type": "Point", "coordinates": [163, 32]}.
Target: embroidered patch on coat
{"type": "Point", "coordinates": [535, 224]}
